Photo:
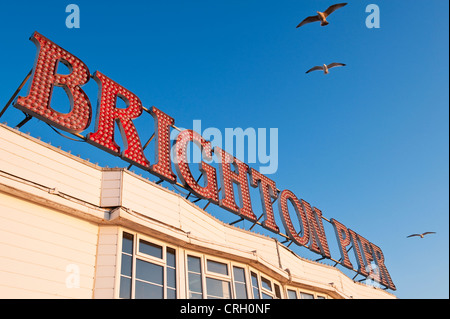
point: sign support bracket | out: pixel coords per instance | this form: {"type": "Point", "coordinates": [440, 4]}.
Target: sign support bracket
{"type": "Point", "coordinates": [236, 221]}
{"type": "Point", "coordinates": [16, 92]}
{"type": "Point", "coordinates": [198, 179]}
{"type": "Point", "coordinates": [24, 121]}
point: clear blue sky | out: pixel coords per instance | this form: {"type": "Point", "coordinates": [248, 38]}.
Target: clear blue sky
{"type": "Point", "coordinates": [367, 144]}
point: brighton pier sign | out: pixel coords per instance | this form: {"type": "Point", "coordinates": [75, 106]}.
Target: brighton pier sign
{"type": "Point", "coordinates": [232, 171]}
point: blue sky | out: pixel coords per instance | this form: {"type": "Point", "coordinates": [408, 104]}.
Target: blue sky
{"type": "Point", "coordinates": [367, 143]}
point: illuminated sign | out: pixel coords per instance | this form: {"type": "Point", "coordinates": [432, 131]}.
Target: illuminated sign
{"type": "Point", "coordinates": [231, 171]}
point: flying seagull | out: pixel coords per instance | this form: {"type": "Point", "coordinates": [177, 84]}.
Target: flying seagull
{"type": "Point", "coordinates": [421, 235]}
{"type": "Point", "coordinates": [325, 67]}
{"type": "Point", "coordinates": [322, 16]}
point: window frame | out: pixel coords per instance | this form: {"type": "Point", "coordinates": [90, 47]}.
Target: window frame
{"type": "Point", "coordinates": [182, 272]}
{"type": "Point", "coordinates": [137, 254]}
{"type": "Point", "coordinates": [148, 257]}
{"type": "Point", "coordinates": [218, 276]}
{"type": "Point", "coordinates": [261, 289]}
{"type": "Point", "coordinates": [202, 271]}
{"type": "Point", "coordinates": [247, 279]}
{"type": "Point", "coordinates": [302, 292]}
{"type": "Point", "coordinates": [205, 273]}
{"type": "Point", "coordinates": [294, 290]}
{"type": "Point", "coordinates": [299, 291]}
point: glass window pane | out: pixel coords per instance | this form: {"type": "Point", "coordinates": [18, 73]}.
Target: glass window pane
{"type": "Point", "coordinates": [239, 274]}
{"type": "Point", "coordinates": [255, 286]}
{"type": "Point", "coordinates": [194, 264]}
{"type": "Point", "coordinates": [195, 283]}
{"type": "Point", "coordinates": [171, 275]}
{"type": "Point", "coordinates": [239, 283]}
{"type": "Point", "coordinates": [127, 243]}
{"type": "Point", "coordinates": [193, 295]}
{"type": "Point", "coordinates": [277, 291]}
{"type": "Point", "coordinates": [150, 249]}
{"type": "Point", "coordinates": [145, 290]}
{"type": "Point", "coordinates": [171, 293]}
{"type": "Point", "coordinates": [125, 288]}
{"type": "Point", "coordinates": [256, 293]}
{"type": "Point", "coordinates": [126, 265]}
{"type": "Point", "coordinates": [254, 280]}
{"type": "Point", "coordinates": [292, 294]}
{"type": "Point", "coordinates": [266, 296]}
{"type": "Point", "coordinates": [214, 266]}
{"type": "Point", "coordinates": [217, 288]}
{"type": "Point", "coordinates": [265, 283]}
{"type": "Point", "coordinates": [149, 272]}
{"type": "Point", "coordinates": [306, 296]}
{"type": "Point", "coordinates": [241, 291]}
{"type": "Point", "coordinates": [321, 297]}
{"type": "Point", "coordinates": [170, 256]}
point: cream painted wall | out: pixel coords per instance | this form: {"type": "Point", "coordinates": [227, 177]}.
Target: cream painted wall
{"type": "Point", "coordinates": [44, 253]}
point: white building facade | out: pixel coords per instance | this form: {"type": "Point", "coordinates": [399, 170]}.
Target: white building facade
{"type": "Point", "coordinates": [72, 229]}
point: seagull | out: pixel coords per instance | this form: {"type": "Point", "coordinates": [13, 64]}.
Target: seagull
{"type": "Point", "coordinates": [421, 235]}
{"type": "Point", "coordinates": [322, 16]}
{"type": "Point", "coordinates": [325, 67]}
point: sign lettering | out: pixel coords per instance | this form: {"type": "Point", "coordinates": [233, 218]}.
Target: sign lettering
{"type": "Point", "coordinates": [231, 171]}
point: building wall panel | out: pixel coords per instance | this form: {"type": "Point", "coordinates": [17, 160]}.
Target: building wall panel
{"type": "Point", "coordinates": [149, 200]}
{"type": "Point", "coordinates": [44, 253]}
{"type": "Point", "coordinates": [107, 263]}
{"type": "Point", "coordinates": [111, 192]}
{"type": "Point", "coordinates": [49, 167]}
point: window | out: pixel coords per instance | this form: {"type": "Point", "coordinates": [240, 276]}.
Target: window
{"type": "Point", "coordinates": [304, 295]}
{"type": "Point", "coordinates": [255, 286]}
{"type": "Point", "coordinates": [149, 280]}
{"type": "Point", "coordinates": [150, 249]}
{"type": "Point", "coordinates": [171, 273]}
{"type": "Point", "coordinates": [264, 287]}
{"type": "Point", "coordinates": [277, 291]}
{"type": "Point", "coordinates": [217, 280]}
{"type": "Point", "coordinates": [240, 285]}
{"type": "Point", "coordinates": [292, 294]}
{"type": "Point", "coordinates": [214, 266]}
{"type": "Point", "coordinates": [266, 284]}
{"type": "Point", "coordinates": [126, 269]}
{"type": "Point", "coordinates": [195, 277]}
{"type": "Point", "coordinates": [217, 289]}
{"type": "Point", "coordinates": [148, 272]}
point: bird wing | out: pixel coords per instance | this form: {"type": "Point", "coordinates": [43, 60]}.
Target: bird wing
{"type": "Point", "coordinates": [412, 235]}
{"type": "Point", "coordinates": [308, 20]}
{"type": "Point", "coordinates": [333, 8]}
{"type": "Point", "coordinates": [332, 65]}
{"type": "Point", "coordinates": [315, 69]}
{"type": "Point", "coordinates": [429, 232]}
